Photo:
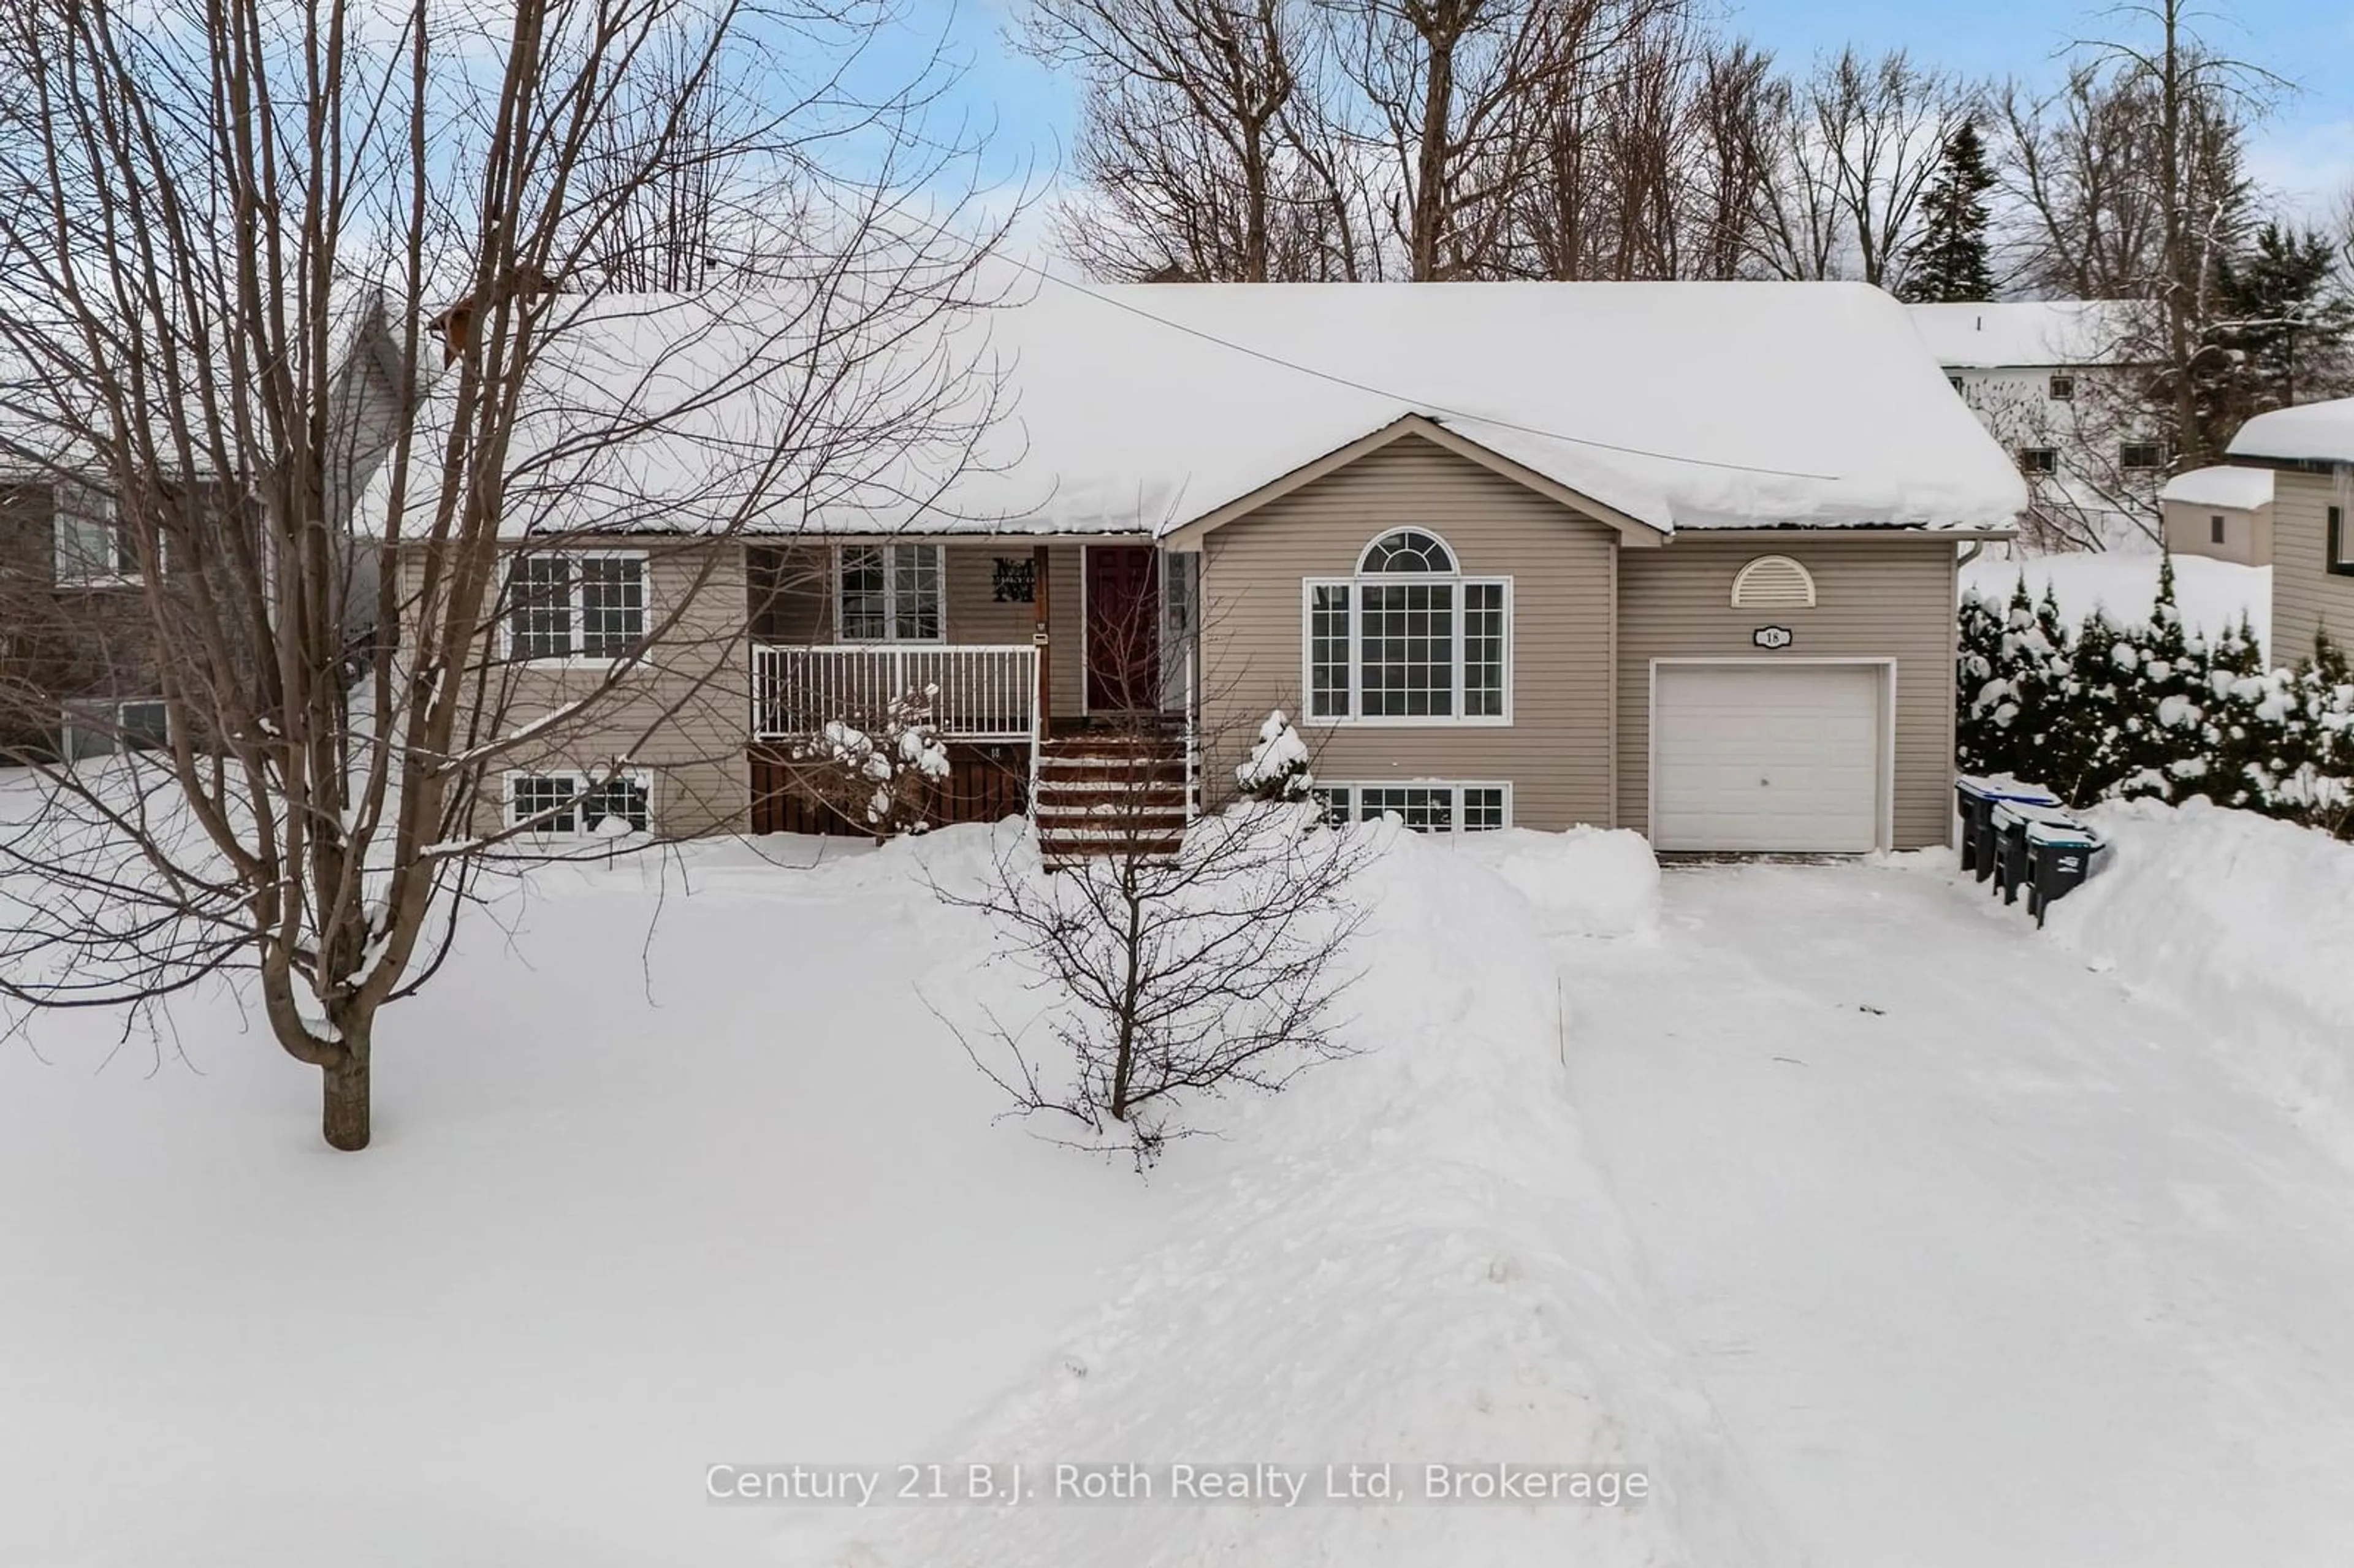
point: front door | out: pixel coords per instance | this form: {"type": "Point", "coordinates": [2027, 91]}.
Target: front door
{"type": "Point", "coordinates": [1123, 587]}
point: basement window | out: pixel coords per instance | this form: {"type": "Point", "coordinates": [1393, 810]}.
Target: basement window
{"type": "Point", "coordinates": [563, 805]}
{"type": "Point", "coordinates": [1425, 806]}
{"type": "Point", "coordinates": [2038, 460]}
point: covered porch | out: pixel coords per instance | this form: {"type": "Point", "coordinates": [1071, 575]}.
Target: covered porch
{"type": "Point", "coordinates": [1027, 642]}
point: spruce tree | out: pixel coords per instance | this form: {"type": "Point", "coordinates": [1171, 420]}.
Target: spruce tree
{"type": "Point", "coordinates": [2245, 711]}
{"type": "Point", "coordinates": [2285, 325]}
{"type": "Point", "coordinates": [2166, 705]}
{"type": "Point", "coordinates": [1950, 261]}
{"type": "Point", "coordinates": [1977, 744]}
{"type": "Point", "coordinates": [2087, 753]}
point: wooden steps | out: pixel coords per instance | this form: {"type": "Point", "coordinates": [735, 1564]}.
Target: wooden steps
{"type": "Point", "coordinates": [1109, 794]}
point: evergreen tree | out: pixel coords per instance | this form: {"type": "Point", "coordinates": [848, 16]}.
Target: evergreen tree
{"type": "Point", "coordinates": [1950, 261]}
{"type": "Point", "coordinates": [2245, 714]}
{"type": "Point", "coordinates": [2166, 703]}
{"type": "Point", "coordinates": [2085, 753]}
{"type": "Point", "coordinates": [2285, 323]}
{"type": "Point", "coordinates": [1976, 741]}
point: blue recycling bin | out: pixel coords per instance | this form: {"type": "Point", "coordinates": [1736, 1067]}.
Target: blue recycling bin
{"type": "Point", "coordinates": [1975, 798]}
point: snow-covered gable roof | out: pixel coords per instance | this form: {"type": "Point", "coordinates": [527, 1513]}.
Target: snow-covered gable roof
{"type": "Point", "coordinates": [2310, 432]}
{"type": "Point", "coordinates": [1139, 408]}
{"type": "Point", "coordinates": [2244, 489]}
{"type": "Point", "coordinates": [2027, 335]}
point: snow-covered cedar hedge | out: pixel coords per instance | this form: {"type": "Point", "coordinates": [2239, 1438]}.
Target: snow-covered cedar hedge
{"type": "Point", "coordinates": [884, 778]}
{"type": "Point", "coordinates": [2153, 712]}
{"type": "Point", "coordinates": [1277, 768]}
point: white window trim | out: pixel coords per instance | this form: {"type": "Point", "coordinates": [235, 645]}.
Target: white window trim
{"type": "Point", "coordinates": [73, 712]}
{"type": "Point", "coordinates": [1357, 786]}
{"type": "Point", "coordinates": [579, 777]}
{"type": "Point", "coordinates": [577, 661]}
{"type": "Point", "coordinates": [80, 576]}
{"type": "Point", "coordinates": [890, 596]}
{"type": "Point", "coordinates": [1884, 759]}
{"type": "Point", "coordinates": [1355, 719]}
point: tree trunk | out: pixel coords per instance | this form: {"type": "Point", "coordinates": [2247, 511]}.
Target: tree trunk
{"type": "Point", "coordinates": [345, 1121]}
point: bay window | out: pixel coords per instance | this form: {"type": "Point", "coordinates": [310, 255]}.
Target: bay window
{"type": "Point", "coordinates": [1409, 639]}
{"type": "Point", "coordinates": [1425, 805]}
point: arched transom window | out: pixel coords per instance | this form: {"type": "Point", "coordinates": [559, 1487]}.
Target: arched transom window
{"type": "Point", "coordinates": [1409, 639]}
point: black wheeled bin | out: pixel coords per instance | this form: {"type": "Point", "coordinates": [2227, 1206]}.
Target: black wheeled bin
{"type": "Point", "coordinates": [1976, 799]}
{"type": "Point", "coordinates": [2060, 856]}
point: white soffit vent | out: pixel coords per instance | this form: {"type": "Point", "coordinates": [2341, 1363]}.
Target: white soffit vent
{"type": "Point", "coordinates": [1773, 582]}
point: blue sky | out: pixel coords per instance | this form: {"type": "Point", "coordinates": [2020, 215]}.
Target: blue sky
{"type": "Point", "coordinates": [2305, 148]}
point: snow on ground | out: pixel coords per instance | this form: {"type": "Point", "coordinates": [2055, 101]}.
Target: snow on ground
{"type": "Point", "coordinates": [1407, 1258]}
{"type": "Point", "coordinates": [666, 1180]}
{"type": "Point", "coordinates": [1870, 1224]}
{"type": "Point", "coordinates": [2212, 594]}
{"type": "Point", "coordinates": [646, 1195]}
{"type": "Point", "coordinates": [1984, 1257]}
{"type": "Point", "coordinates": [2251, 919]}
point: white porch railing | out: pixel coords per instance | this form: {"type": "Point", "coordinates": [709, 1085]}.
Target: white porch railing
{"type": "Point", "coordinates": [986, 692]}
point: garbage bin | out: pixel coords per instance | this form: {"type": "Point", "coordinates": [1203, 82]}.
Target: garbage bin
{"type": "Point", "coordinates": [2009, 823]}
{"type": "Point", "coordinates": [1975, 798]}
{"type": "Point", "coordinates": [2060, 856]}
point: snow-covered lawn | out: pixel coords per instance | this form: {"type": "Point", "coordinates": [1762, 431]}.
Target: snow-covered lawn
{"type": "Point", "coordinates": [1870, 1225]}
{"type": "Point", "coordinates": [647, 1194]}
{"type": "Point", "coordinates": [1984, 1255]}
{"type": "Point", "coordinates": [2212, 594]}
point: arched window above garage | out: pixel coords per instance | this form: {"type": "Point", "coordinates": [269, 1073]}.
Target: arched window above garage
{"type": "Point", "coordinates": [1773, 582]}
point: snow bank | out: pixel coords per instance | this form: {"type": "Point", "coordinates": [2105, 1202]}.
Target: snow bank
{"type": "Point", "coordinates": [2205, 905]}
{"type": "Point", "coordinates": [1405, 1258]}
{"type": "Point", "coordinates": [1588, 882]}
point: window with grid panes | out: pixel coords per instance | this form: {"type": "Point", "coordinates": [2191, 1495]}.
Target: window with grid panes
{"type": "Point", "coordinates": [544, 802]}
{"type": "Point", "coordinates": [576, 606]}
{"type": "Point", "coordinates": [892, 593]}
{"type": "Point", "coordinates": [1424, 806]}
{"type": "Point", "coordinates": [1408, 638]}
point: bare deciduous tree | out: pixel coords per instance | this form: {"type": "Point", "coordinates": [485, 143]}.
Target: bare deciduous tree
{"type": "Point", "coordinates": [192, 197]}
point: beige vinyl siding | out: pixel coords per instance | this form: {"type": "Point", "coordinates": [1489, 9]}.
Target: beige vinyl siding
{"type": "Point", "coordinates": [799, 605]}
{"type": "Point", "coordinates": [683, 716]}
{"type": "Point", "coordinates": [2247, 532]}
{"type": "Point", "coordinates": [1882, 598]}
{"type": "Point", "coordinates": [2306, 596]}
{"type": "Point", "coordinates": [1556, 751]}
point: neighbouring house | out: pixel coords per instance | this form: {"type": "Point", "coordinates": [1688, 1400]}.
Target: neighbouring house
{"type": "Point", "coordinates": [77, 662]}
{"type": "Point", "coordinates": [1675, 557]}
{"type": "Point", "coordinates": [2224, 511]}
{"type": "Point", "coordinates": [2308, 454]}
{"type": "Point", "coordinates": [2060, 384]}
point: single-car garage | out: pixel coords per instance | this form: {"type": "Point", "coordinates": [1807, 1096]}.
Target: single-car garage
{"type": "Point", "coordinates": [1769, 756]}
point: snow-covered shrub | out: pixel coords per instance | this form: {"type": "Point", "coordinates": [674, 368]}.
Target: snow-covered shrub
{"type": "Point", "coordinates": [882, 776]}
{"type": "Point", "coordinates": [1277, 768]}
{"type": "Point", "coordinates": [1169, 979]}
{"type": "Point", "coordinates": [2149, 711]}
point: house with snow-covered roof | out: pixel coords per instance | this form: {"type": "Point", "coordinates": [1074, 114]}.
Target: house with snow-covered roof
{"type": "Point", "coordinates": [1677, 557]}
{"type": "Point", "coordinates": [2061, 383]}
{"type": "Point", "coordinates": [2306, 455]}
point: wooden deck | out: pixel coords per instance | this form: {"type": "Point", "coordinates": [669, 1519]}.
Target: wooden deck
{"type": "Point", "coordinates": [986, 783]}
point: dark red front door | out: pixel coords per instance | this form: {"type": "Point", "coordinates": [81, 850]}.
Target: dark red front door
{"type": "Point", "coordinates": [1123, 627]}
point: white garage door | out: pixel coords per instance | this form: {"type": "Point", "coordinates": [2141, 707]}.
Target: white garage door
{"type": "Point", "coordinates": [1766, 757]}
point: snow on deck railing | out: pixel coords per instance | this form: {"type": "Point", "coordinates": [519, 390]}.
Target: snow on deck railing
{"type": "Point", "coordinates": [985, 692]}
